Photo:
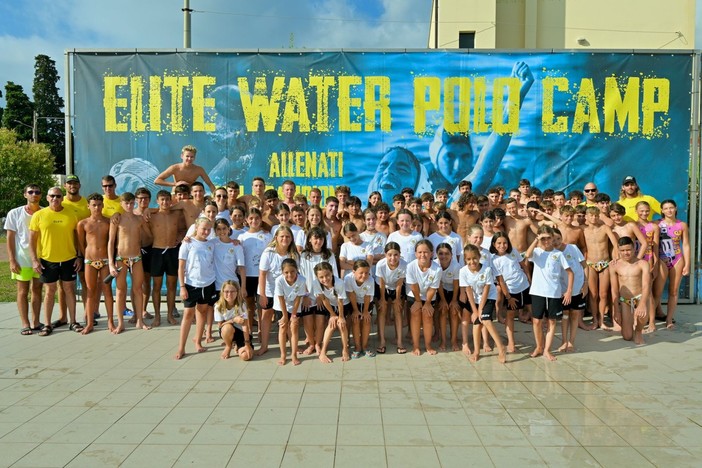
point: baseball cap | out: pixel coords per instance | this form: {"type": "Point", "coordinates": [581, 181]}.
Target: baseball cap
{"type": "Point", "coordinates": [629, 179]}
{"type": "Point", "coordinates": [72, 178]}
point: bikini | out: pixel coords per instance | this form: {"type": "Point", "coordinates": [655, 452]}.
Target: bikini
{"type": "Point", "coordinates": [670, 250]}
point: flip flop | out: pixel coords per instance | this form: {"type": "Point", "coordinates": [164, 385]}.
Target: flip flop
{"type": "Point", "coordinates": [76, 327]}
{"type": "Point", "coordinates": [380, 350]}
{"type": "Point", "coordinates": [38, 327]}
{"type": "Point", "coordinates": [46, 330]}
{"type": "Point", "coordinates": [26, 331]}
{"type": "Point", "coordinates": [355, 355]}
{"type": "Point", "coordinates": [401, 350]}
{"type": "Point", "coordinates": [57, 324]}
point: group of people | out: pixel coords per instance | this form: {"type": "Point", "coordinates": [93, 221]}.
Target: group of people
{"type": "Point", "coordinates": [245, 263]}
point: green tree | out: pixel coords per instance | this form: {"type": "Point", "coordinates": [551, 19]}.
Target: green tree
{"type": "Point", "coordinates": [1, 110]}
{"type": "Point", "coordinates": [18, 108]}
{"type": "Point", "coordinates": [48, 105]}
{"type": "Point", "coordinates": [22, 163]}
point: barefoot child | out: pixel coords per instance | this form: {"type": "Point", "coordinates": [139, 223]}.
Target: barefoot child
{"type": "Point", "coordinates": [389, 278]}
{"type": "Point", "coordinates": [185, 172]}
{"type": "Point", "coordinates": [509, 264]}
{"type": "Point", "coordinates": [290, 288]}
{"type": "Point", "coordinates": [331, 294]}
{"type": "Point", "coordinates": [229, 266]}
{"type": "Point", "coordinates": [231, 315]}
{"type": "Point", "coordinates": [547, 296]}
{"type": "Point", "coordinates": [576, 261]}
{"type": "Point", "coordinates": [353, 249]}
{"type": "Point", "coordinates": [652, 232]}
{"type": "Point", "coordinates": [196, 274]}
{"type": "Point", "coordinates": [359, 287]}
{"type": "Point", "coordinates": [270, 268]}
{"type": "Point", "coordinates": [631, 286]}
{"type": "Point", "coordinates": [479, 282]}
{"type": "Point", "coordinates": [448, 308]}
{"type": "Point", "coordinates": [674, 254]}
{"type": "Point", "coordinates": [125, 239]}
{"type": "Point", "coordinates": [93, 234]}
{"type": "Point", "coordinates": [423, 281]}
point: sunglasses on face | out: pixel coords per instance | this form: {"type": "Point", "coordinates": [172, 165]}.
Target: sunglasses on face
{"type": "Point", "coordinates": [52, 195]}
{"type": "Point", "coordinates": [34, 192]}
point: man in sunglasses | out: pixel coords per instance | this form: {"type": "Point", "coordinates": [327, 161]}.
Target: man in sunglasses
{"type": "Point", "coordinates": [590, 191]}
{"type": "Point", "coordinates": [17, 227]}
{"type": "Point", "coordinates": [110, 198]}
{"type": "Point", "coordinates": [54, 229]}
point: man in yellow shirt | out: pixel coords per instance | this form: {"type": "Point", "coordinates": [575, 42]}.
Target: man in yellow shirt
{"type": "Point", "coordinates": [630, 194]}
{"type": "Point", "coordinates": [52, 233]}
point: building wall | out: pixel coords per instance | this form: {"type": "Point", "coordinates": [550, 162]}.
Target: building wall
{"type": "Point", "coordinates": [568, 24]}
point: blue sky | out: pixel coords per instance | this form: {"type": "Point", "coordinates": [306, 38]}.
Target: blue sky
{"type": "Point", "coordinates": [32, 27]}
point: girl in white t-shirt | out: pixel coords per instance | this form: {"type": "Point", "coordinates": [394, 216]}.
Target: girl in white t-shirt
{"type": "Point", "coordinates": [290, 288]}
{"type": "Point", "coordinates": [390, 279]}
{"type": "Point", "coordinates": [238, 215]}
{"type": "Point", "coordinates": [359, 297]}
{"type": "Point", "coordinates": [229, 264]}
{"type": "Point", "coordinates": [196, 274]}
{"type": "Point", "coordinates": [509, 264]}
{"type": "Point", "coordinates": [448, 307]}
{"type": "Point", "coordinates": [315, 218]}
{"type": "Point", "coordinates": [444, 234]}
{"type": "Point", "coordinates": [423, 281]}
{"type": "Point", "coordinates": [231, 315]}
{"type": "Point", "coordinates": [479, 282]}
{"type": "Point", "coordinates": [353, 249]}
{"type": "Point", "coordinates": [375, 239]}
{"type": "Point", "coordinates": [270, 268]}
{"type": "Point", "coordinates": [313, 317]}
{"type": "Point", "coordinates": [331, 294]}
{"type": "Point", "coordinates": [405, 237]}
{"type": "Point", "coordinates": [253, 242]}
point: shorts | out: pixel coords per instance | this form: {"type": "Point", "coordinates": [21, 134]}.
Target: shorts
{"type": "Point", "coordinates": [304, 312]}
{"type": "Point", "coordinates": [251, 286]}
{"type": "Point", "coordinates": [321, 310]}
{"type": "Point", "coordinates": [448, 295]}
{"type": "Point", "coordinates": [206, 295]}
{"type": "Point", "coordinates": [390, 294]}
{"type": "Point", "coordinates": [549, 307]}
{"type": "Point", "coordinates": [164, 261]}
{"type": "Point", "coordinates": [577, 302]}
{"type": "Point", "coordinates": [25, 274]}
{"type": "Point", "coordinates": [411, 301]}
{"type": "Point", "coordinates": [239, 338]}
{"type": "Point", "coordinates": [52, 272]}
{"type": "Point", "coordinates": [269, 303]}
{"type": "Point", "coordinates": [348, 309]}
{"type": "Point", "coordinates": [146, 257]}
{"type": "Point", "coordinates": [488, 314]}
{"type": "Point", "coordinates": [523, 299]}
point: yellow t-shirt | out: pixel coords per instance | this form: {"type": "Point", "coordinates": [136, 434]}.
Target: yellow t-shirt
{"type": "Point", "coordinates": [111, 207]}
{"type": "Point", "coordinates": [56, 234]}
{"type": "Point", "coordinates": [630, 205]}
{"type": "Point", "coordinates": [79, 208]}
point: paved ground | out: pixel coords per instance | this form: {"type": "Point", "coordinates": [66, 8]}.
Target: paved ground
{"type": "Point", "coordinates": [102, 400]}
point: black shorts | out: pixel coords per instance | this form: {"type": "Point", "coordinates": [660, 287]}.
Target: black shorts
{"type": "Point", "coordinates": [448, 295]}
{"type": "Point", "coordinates": [146, 259]}
{"type": "Point", "coordinates": [549, 307]}
{"type": "Point", "coordinates": [269, 303]}
{"type": "Point", "coordinates": [251, 286]}
{"type": "Point", "coordinates": [577, 302]}
{"type": "Point", "coordinates": [348, 309]}
{"type": "Point", "coordinates": [304, 312]}
{"type": "Point", "coordinates": [52, 272]}
{"type": "Point", "coordinates": [164, 261]}
{"type": "Point", "coordinates": [523, 299]}
{"type": "Point", "coordinates": [488, 314]}
{"type": "Point", "coordinates": [321, 310]}
{"type": "Point", "coordinates": [206, 295]}
{"type": "Point", "coordinates": [411, 301]}
{"type": "Point", "coordinates": [239, 337]}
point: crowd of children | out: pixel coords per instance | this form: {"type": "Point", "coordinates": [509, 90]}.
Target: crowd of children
{"type": "Point", "coordinates": [247, 263]}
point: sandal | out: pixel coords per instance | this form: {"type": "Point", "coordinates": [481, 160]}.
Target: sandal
{"type": "Point", "coordinates": [46, 330]}
{"type": "Point", "coordinates": [57, 324]}
{"type": "Point", "coordinates": [380, 350]}
{"type": "Point", "coordinates": [26, 331]}
{"type": "Point", "coordinates": [369, 353]}
{"type": "Point", "coordinates": [76, 327]}
{"type": "Point", "coordinates": [401, 350]}
{"type": "Point", "coordinates": [355, 355]}
{"type": "Point", "coordinates": [38, 327]}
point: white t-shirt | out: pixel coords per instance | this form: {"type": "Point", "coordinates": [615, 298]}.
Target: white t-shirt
{"type": "Point", "coordinates": [450, 274]}
{"type": "Point", "coordinates": [477, 281]}
{"type": "Point", "coordinates": [333, 295]}
{"type": "Point", "coordinates": [293, 227]}
{"type": "Point", "coordinates": [487, 242]}
{"type": "Point", "coordinates": [574, 256]}
{"type": "Point", "coordinates": [391, 277]}
{"type": "Point", "coordinates": [289, 292]}
{"type": "Point", "coordinates": [228, 314]}
{"type": "Point", "coordinates": [548, 269]}
{"type": "Point", "coordinates": [228, 258]}
{"type": "Point", "coordinates": [17, 220]}
{"type": "Point", "coordinates": [307, 263]}
{"type": "Point", "coordinates": [407, 243]}
{"type": "Point", "coordinates": [301, 239]}
{"type": "Point", "coordinates": [453, 239]}
{"type": "Point", "coordinates": [508, 266]}
{"type": "Point", "coordinates": [365, 289]}
{"type": "Point", "coordinates": [199, 262]}
{"type": "Point", "coordinates": [191, 232]}
{"type": "Point", "coordinates": [429, 279]}
{"type": "Point", "coordinates": [375, 241]}
{"type": "Point", "coordinates": [352, 252]}
{"type": "Point", "coordinates": [254, 243]}
{"type": "Point", "coordinates": [272, 263]}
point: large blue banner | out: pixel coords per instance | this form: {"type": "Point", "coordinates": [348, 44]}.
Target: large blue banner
{"type": "Point", "coordinates": [385, 120]}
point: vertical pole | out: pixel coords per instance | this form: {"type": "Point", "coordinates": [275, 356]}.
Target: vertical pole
{"type": "Point", "coordinates": [186, 23]}
{"type": "Point", "coordinates": [436, 24]}
{"type": "Point", "coordinates": [693, 197]}
{"type": "Point", "coordinates": [35, 133]}
{"type": "Point", "coordinates": [67, 115]}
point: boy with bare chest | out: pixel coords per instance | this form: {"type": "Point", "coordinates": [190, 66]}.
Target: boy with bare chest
{"type": "Point", "coordinates": [168, 227]}
{"type": "Point", "coordinates": [332, 223]}
{"type": "Point", "coordinates": [598, 238]}
{"type": "Point", "coordinates": [126, 235]}
{"type": "Point", "coordinates": [631, 289]}
{"type": "Point", "coordinates": [185, 172]}
{"type": "Point", "coordinates": [467, 215]}
{"type": "Point", "coordinates": [93, 233]}
{"type": "Point", "coordinates": [517, 227]}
